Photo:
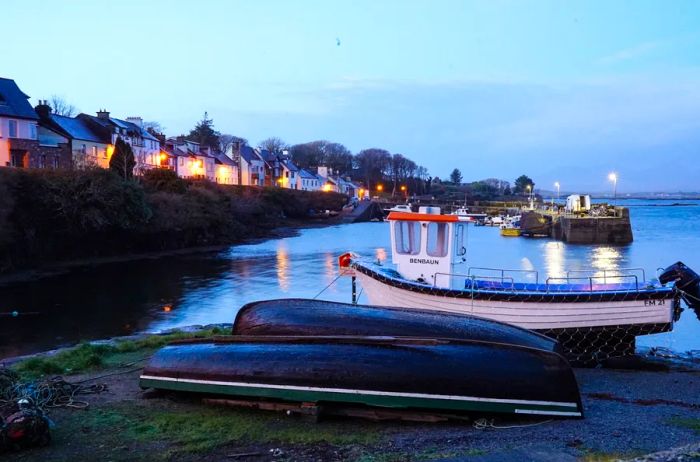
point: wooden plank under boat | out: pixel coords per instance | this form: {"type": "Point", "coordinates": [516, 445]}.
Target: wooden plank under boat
{"type": "Point", "coordinates": [317, 317]}
{"type": "Point", "coordinates": [400, 373]}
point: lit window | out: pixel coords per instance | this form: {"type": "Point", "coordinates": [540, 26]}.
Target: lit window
{"type": "Point", "coordinates": [13, 128]}
{"type": "Point", "coordinates": [437, 239]}
{"type": "Point", "coordinates": [407, 236]}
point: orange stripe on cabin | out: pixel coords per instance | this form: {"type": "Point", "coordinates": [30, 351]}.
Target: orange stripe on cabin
{"type": "Point", "coordinates": [405, 216]}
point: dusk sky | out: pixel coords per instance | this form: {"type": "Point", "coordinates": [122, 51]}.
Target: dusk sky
{"type": "Point", "coordinates": [562, 91]}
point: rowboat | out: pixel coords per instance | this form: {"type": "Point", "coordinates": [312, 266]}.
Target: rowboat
{"type": "Point", "coordinates": [390, 372]}
{"type": "Point", "coordinates": [595, 315]}
{"type": "Point", "coordinates": [304, 317]}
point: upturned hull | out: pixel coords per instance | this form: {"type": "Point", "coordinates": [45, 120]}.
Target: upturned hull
{"type": "Point", "coordinates": [426, 374]}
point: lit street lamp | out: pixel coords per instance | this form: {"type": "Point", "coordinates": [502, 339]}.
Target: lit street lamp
{"type": "Point", "coordinates": [613, 177]}
{"type": "Point", "coordinates": [380, 188]}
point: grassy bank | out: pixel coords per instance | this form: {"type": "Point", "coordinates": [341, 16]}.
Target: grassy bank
{"type": "Point", "coordinates": [52, 216]}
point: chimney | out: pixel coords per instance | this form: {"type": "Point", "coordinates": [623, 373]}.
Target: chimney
{"type": "Point", "coordinates": [180, 139]}
{"type": "Point", "coordinates": [103, 114]}
{"type": "Point", "coordinates": [136, 121]}
{"type": "Point", "coordinates": [43, 109]}
{"type": "Point", "coordinates": [161, 138]}
{"type": "Point", "coordinates": [236, 146]}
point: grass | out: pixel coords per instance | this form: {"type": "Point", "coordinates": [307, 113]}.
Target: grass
{"type": "Point", "coordinates": [686, 422]}
{"type": "Point", "coordinates": [87, 357]}
{"type": "Point", "coordinates": [195, 429]}
{"type": "Point", "coordinates": [427, 454]}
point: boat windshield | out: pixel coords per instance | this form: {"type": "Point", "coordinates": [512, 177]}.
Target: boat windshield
{"type": "Point", "coordinates": [407, 237]}
{"type": "Point", "coordinates": [437, 239]}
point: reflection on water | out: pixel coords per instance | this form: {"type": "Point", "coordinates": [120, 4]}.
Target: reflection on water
{"type": "Point", "coordinates": [152, 295]}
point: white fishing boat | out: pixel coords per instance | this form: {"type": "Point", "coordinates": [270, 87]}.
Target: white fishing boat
{"type": "Point", "coordinates": [465, 213]}
{"type": "Point", "coordinates": [595, 315]}
{"type": "Point", "coordinates": [400, 208]}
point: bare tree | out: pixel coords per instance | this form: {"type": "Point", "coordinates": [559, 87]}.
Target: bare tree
{"type": "Point", "coordinates": [226, 141]}
{"type": "Point", "coordinates": [154, 128]}
{"type": "Point", "coordinates": [273, 144]}
{"type": "Point", "coordinates": [61, 107]}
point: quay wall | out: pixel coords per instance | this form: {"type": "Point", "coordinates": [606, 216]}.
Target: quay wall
{"type": "Point", "coordinates": [594, 230]}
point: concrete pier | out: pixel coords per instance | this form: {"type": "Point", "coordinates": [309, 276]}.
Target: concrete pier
{"type": "Point", "coordinates": [614, 229]}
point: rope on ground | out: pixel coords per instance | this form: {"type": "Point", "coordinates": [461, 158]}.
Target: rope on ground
{"type": "Point", "coordinates": [43, 394]}
{"type": "Point", "coordinates": [484, 424]}
{"type": "Point", "coordinates": [324, 289]}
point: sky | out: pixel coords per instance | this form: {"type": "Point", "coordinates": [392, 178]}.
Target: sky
{"type": "Point", "coordinates": [563, 91]}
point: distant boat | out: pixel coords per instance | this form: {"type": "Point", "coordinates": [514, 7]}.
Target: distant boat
{"type": "Point", "coordinates": [511, 227]}
{"type": "Point", "coordinates": [400, 208]}
{"type": "Point", "coordinates": [464, 212]}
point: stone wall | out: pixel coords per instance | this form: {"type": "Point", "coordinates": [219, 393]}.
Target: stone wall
{"type": "Point", "coordinates": [595, 230]}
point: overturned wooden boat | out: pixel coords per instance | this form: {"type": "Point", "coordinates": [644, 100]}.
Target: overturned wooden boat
{"type": "Point", "coordinates": [390, 372]}
{"type": "Point", "coordinates": [304, 317]}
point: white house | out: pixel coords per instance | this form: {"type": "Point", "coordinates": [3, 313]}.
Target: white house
{"type": "Point", "coordinates": [251, 166]}
{"type": "Point", "coordinates": [190, 160]}
{"type": "Point", "coordinates": [307, 181]}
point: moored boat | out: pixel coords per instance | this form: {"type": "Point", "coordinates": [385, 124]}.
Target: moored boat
{"type": "Point", "coordinates": [403, 373]}
{"type": "Point", "coordinates": [594, 315]}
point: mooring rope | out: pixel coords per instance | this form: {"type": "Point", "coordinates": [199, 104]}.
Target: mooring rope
{"type": "Point", "coordinates": [483, 424]}
{"type": "Point", "coordinates": [324, 289]}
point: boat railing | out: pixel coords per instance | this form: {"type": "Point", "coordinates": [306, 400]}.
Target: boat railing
{"type": "Point", "coordinates": [473, 278]}
{"type": "Point", "coordinates": [565, 281]}
{"type": "Point", "coordinates": [502, 271]}
{"type": "Point", "coordinates": [616, 273]}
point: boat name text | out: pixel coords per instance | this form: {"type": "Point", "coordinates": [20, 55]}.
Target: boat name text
{"type": "Point", "coordinates": [425, 261]}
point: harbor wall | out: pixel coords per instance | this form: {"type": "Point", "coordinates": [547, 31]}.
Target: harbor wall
{"type": "Point", "coordinates": [594, 230]}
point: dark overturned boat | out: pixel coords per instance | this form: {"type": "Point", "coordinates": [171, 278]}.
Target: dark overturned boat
{"type": "Point", "coordinates": [443, 375]}
{"type": "Point", "coordinates": [304, 317]}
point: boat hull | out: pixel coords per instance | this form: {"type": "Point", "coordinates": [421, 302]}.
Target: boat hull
{"type": "Point", "coordinates": [304, 317]}
{"type": "Point", "coordinates": [426, 374]}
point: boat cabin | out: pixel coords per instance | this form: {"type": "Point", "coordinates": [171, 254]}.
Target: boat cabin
{"type": "Point", "coordinates": [428, 247]}
{"type": "Point", "coordinates": [577, 203]}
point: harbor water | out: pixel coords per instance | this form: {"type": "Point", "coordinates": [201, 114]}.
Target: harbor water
{"type": "Point", "coordinates": [152, 295]}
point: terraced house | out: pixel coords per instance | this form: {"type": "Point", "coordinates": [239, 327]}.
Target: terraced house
{"type": "Point", "coordinates": [18, 127]}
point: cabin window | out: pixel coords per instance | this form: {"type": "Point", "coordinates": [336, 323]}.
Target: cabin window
{"type": "Point", "coordinates": [437, 239]}
{"type": "Point", "coordinates": [460, 242]}
{"type": "Point", "coordinates": [407, 237]}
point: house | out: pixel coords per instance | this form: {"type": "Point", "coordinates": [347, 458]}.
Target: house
{"type": "Point", "coordinates": [145, 146]}
{"type": "Point", "coordinates": [19, 145]}
{"type": "Point", "coordinates": [226, 170]}
{"type": "Point", "coordinates": [251, 165]}
{"type": "Point", "coordinates": [84, 147]}
{"type": "Point", "coordinates": [188, 159]}
{"type": "Point", "coordinates": [307, 181]}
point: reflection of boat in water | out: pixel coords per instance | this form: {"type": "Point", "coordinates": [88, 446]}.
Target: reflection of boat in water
{"type": "Point", "coordinates": [594, 315]}
{"type": "Point", "coordinates": [308, 351]}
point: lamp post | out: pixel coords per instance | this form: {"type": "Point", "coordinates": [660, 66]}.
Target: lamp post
{"type": "Point", "coordinates": [557, 185]}
{"type": "Point", "coordinates": [405, 191]}
{"type": "Point", "coordinates": [613, 177]}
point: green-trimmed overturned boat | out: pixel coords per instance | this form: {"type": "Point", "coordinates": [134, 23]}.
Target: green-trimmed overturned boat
{"type": "Point", "coordinates": [391, 372]}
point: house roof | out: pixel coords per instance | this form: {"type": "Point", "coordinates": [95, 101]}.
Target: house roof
{"type": "Point", "coordinates": [307, 175]}
{"type": "Point", "coordinates": [290, 165]}
{"type": "Point", "coordinates": [225, 160]}
{"type": "Point", "coordinates": [76, 128]}
{"type": "Point", "coordinates": [13, 102]}
{"type": "Point", "coordinates": [134, 127]}
{"type": "Point", "coordinates": [249, 154]}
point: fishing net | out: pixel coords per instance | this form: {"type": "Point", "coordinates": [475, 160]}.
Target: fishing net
{"type": "Point", "coordinates": [24, 407]}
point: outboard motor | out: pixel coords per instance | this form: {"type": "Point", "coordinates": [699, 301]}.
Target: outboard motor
{"type": "Point", "coordinates": [686, 280]}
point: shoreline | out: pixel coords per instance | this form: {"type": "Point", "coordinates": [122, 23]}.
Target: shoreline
{"type": "Point", "coordinates": [63, 267]}
{"type": "Point", "coordinates": [628, 412]}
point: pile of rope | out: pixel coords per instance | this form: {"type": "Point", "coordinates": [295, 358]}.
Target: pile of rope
{"type": "Point", "coordinates": [24, 407]}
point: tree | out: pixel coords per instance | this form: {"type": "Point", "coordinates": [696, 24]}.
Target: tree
{"type": "Point", "coordinates": [154, 128]}
{"type": "Point", "coordinates": [372, 164]}
{"type": "Point", "coordinates": [122, 160]}
{"type": "Point", "coordinates": [308, 155]}
{"type": "Point", "coordinates": [522, 183]}
{"type": "Point", "coordinates": [337, 157]}
{"type": "Point", "coordinates": [226, 141]}
{"type": "Point", "coordinates": [456, 176]}
{"type": "Point", "coordinates": [273, 144]}
{"type": "Point", "coordinates": [507, 191]}
{"type": "Point", "coordinates": [61, 107]}
{"type": "Point", "coordinates": [204, 133]}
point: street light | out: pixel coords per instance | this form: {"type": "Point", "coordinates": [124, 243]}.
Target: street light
{"type": "Point", "coordinates": [613, 177]}
{"type": "Point", "coordinates": [380, 188]}
{"type": "Point", "coordinates": [404, 190]}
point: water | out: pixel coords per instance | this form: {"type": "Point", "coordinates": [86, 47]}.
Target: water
{"type": "Point", "coordinates": [152, 295]}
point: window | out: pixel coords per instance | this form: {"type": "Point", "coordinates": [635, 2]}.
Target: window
{"type": "Point", "coordinates": [407, 237]}
{"type": "Point", "coordinates": [460, 242]}
{"type": "Point", "coordinates": [84, 149]}
{"type": "Point", "coordinates": [56, 161]}
{"type": "Point", "coordinates": [13, 128]}
{"type": "Point", "coordinates": [32, 131]}
{"type": "Point", "coordinates": [437, 239]}
{"type": "Point", "coordinates": [182, 162]}
{"type": "Point", "coordinates": [94, 151]}
{"type": "Point", "coordinates": [42, 161]}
